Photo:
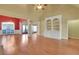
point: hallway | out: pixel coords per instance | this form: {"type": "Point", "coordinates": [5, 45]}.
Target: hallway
{"type": "Point", "coordinates": [37, 45]}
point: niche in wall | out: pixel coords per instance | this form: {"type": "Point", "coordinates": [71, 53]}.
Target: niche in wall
{"type": "Point", "coordinates": [49, 24]}
{"type": "Point", "coordinates": [53, 27]}
{"type": "Point", "coordinates": [56, 24]}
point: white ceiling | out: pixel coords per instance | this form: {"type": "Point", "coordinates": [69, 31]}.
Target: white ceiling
{"type": "Point", "coordinates": [24, 9]}
{"type": "Point", "coordinates": [21, 8]}
{"type": "Point", "coordinates": [77, 5]}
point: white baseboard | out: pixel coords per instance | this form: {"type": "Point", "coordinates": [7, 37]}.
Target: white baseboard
{"type": "Point", "coordinates": [73, 37]}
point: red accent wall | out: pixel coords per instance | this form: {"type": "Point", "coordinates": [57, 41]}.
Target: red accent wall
{"type": "Point", "coordinates": [10, 19]}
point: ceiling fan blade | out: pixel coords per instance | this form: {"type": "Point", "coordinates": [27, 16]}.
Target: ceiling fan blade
{"type": "Point", "coordinates": [45, 4]}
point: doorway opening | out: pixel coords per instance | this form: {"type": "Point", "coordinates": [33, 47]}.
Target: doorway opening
{"type": "Point", "coordinates": [73, 29]}
{"type": "Point", "coordinates": [34, 28]}
{"type": "Point", "coordinates": [25, 29]}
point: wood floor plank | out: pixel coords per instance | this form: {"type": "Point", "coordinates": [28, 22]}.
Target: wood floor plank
{"type": "Point", "coordinates": [37, 45]}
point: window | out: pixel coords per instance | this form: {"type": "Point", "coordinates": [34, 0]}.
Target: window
{"type": "Point", "coordinates": [7, 27]}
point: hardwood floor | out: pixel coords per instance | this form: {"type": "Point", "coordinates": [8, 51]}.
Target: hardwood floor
{"type": "Point", "coordinates": [37, 45]}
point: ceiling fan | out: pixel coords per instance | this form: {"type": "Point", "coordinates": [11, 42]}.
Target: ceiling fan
{"type": "Point", "coordinates": [40, 6]}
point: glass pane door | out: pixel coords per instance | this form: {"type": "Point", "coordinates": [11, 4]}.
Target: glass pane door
{"type": "Point", "coordinates": [7, 28]}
